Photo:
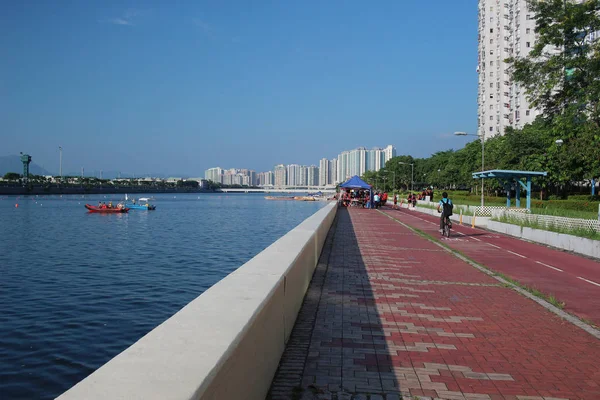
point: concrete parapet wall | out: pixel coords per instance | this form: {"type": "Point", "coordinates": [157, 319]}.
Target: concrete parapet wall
{"type": "Point", "coordinates": [227, 343]}
{"type": "Point", "coordinates": [576, 244]}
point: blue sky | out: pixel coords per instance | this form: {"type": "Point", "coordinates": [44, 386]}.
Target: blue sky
{"type": "Point", "coordinates": [178, 87]}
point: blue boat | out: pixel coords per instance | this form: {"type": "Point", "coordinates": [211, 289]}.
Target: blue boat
{"type": "Point", "coordinates": [142, 204]}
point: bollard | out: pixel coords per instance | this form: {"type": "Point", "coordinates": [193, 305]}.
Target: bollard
{"type": "Point", "coordinates": [473, 221]}
{"type": "Point", "coordinates": [598, 212]}
{"type": "Point", "coordinates": [460, 218]}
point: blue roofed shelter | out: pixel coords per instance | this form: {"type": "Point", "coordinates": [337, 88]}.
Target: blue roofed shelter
{"type": "Point", "coordinates": [506, 177]}
{"type": "Point", "coordinates": [356, 183]}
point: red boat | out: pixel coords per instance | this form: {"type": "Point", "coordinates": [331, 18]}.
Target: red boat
{"type": "Point", "coordinates": [106, 210]}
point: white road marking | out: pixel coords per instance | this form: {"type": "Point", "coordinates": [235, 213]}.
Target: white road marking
{"type": "Point", "coordinates": [474, 238]}
{"type": "Point", "coordinates": [592, 282]}
{"type": "Point", "coordinates": [550, 266]}
{"type": "Point", "coordinates": [517, 254]}
{"type": "Point", "coordinates": [493, 245]}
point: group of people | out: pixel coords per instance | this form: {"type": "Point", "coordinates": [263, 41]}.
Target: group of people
{"type": "Point", "coordinates": [361, 198]}
{"type": "Point", "coordinates": [103, 205]}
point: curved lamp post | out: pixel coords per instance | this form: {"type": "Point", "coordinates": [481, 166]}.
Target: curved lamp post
{"type": "Point", "coordinates": [482, 138]}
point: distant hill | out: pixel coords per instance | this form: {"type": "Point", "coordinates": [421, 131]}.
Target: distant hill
{"type": "Point", "coordinates": [14, 164]}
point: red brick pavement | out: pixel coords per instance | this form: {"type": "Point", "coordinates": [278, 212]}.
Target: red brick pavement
{"type": "Point", "coordinates": [395, 316]}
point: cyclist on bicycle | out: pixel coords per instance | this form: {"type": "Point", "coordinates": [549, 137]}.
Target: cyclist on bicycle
{"type": "Point", "coordinates": [445, 206]}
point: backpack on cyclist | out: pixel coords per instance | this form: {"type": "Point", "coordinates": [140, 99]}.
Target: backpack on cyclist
{"type": "Point", "coordinates": [448, 206]}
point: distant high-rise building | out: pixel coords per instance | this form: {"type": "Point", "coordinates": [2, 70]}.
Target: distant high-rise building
{"type": "Point", "coordinates": [333, 167]}
{"type": "Point", "coordinates": [280, 173]}
{"type": "Point", "coordinates": [269, 178]}
{"type": "Point", "coordinates": [389, 153]}
{"type": "Point", "coordinates": [313, 176]}
{"type": "Point", "coordinates": [342, 167]}
{"type": "Point", "coordinates": [293, 175]}
{"type": "Point", "coordinates": [324, 172]}
{"type": "Point", "coordinates": [214, 174]}
{"type": "Point", "coordinates": [303, 176]}
{"type": "Point", "coordinates": [360, 160]}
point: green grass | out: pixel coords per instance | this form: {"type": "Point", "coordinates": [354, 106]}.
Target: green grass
{"type": "Point", "coordinates": [580, 232]}
{"type": "Point", "coordinates": [565, 213]}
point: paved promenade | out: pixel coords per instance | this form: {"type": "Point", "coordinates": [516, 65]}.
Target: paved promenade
{"type": "Point", "coordinates": [391, 315]}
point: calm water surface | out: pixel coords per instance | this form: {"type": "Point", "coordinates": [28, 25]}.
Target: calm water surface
{"type": "Point", "coordinates": [78, 288]}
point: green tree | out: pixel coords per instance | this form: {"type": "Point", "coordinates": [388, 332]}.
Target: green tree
{"type": "Point", "coordinates": [562, 71]}
{"type": "Point", "coordinates": [12, 176]}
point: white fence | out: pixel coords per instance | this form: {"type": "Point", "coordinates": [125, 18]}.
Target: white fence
{"type": "Point", "coordinates": [487, 211]}
{"type": "Point", "coordinates": [549, 220]}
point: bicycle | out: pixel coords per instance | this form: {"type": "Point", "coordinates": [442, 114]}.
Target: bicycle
{"type": "Point", "coordinates": [447, 226]}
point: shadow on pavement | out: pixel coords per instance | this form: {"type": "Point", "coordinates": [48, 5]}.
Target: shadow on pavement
{"type": "Point", "coordinates": [337, 349]}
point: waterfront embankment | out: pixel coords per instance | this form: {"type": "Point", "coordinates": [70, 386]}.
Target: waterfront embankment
{"type": "Point", "coordinates": [227, 343]}
{"type": "Point", "coordinates": [53, 190]}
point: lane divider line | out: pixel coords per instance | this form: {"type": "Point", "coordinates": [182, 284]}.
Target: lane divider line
{"type": "Point", "coordinates": [493, 245]}
{"type": "Point", "coordinates": [592, 282]}
{"type": "Point", "coordinates": [520, 255]}
{"type": "Point", "coordinates": [550, 266]}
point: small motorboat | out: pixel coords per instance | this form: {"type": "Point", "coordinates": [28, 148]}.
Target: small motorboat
{"type": "Point", "coordinates": [142, 204]}
{"type": "Point", "coordinates": [120, 208]}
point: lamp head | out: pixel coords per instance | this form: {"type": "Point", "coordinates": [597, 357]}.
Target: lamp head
{"type": "Point", "coordinates": [460, 133]}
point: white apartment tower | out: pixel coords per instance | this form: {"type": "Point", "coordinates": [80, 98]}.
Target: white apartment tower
{"type": "Point", "coordinates": [333, 167]}
{"type": "Point", "coordinates": [323, 172]}
{"type": "Point", "coordinates": [506, 29]}
{"type": "Point", "coordinates": [312, 176]}
{"type": "Point", "coordinates": [280, 176]}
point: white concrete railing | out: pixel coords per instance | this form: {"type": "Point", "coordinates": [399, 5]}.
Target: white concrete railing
{"type": "Point", "coordinates": [487, 211]}
{"type": "Point", "coordinates": [550, 220]}
{"type": "Point", "coordinates": [227, 343]}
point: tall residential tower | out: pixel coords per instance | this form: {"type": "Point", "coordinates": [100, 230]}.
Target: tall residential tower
{"type": "Point", "coordinates": [506, 29]}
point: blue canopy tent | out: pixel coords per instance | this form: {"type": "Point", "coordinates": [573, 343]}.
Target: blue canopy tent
{"type": "Point", "coordinates": [356, 183]}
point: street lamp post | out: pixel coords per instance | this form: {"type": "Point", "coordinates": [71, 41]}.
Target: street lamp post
{"type": "Point", "coordinates": [482, 138]}
{"type": "Point", "coordinates": [60, 161]}
{"type": "Point", "coordinates": [412, 173]}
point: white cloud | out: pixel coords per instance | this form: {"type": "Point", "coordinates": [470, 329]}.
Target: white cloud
{"type": "Point", "coordinates": [120, 21]}
{"type": "Point", "coordinates": [127, 19]}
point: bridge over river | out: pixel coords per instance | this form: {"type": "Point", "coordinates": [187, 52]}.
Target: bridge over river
{"type": "Point", "coordinates": [324, 190]}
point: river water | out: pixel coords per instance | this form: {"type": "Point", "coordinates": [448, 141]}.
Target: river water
{"type": "Point", "coordinates": [78, 288]}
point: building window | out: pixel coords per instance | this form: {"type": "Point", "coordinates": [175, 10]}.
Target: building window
{"type": "Point", "coordinates": [491, 85]}
{"type": "Point", "coordinates": [528, 30]}
{"type": "Point", "coordinates": [491, 117]}
{"type": "Point", "coordinates": [528, 17]}
{"type": "Point", "coordinates": [491, 41]}
{"type": "Point", "coordinates": [491, 95]}
{"type": "Point", "coordinates": [491, 30]}
{"type": "Point", "coordinates": [491, 73]}
{"type": "Point", "coordinates": [528, 44]}
{"type": "Point", "coordinates": [491, 19]}
{"type": "Point", "coordinates": [491, 63]}
{"type": "Point", "coordinates": [526, 112]}
{"type": "Point", "coordinates": [491, 106]}
{"type": "Point", "coordinates": [491, 128]}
